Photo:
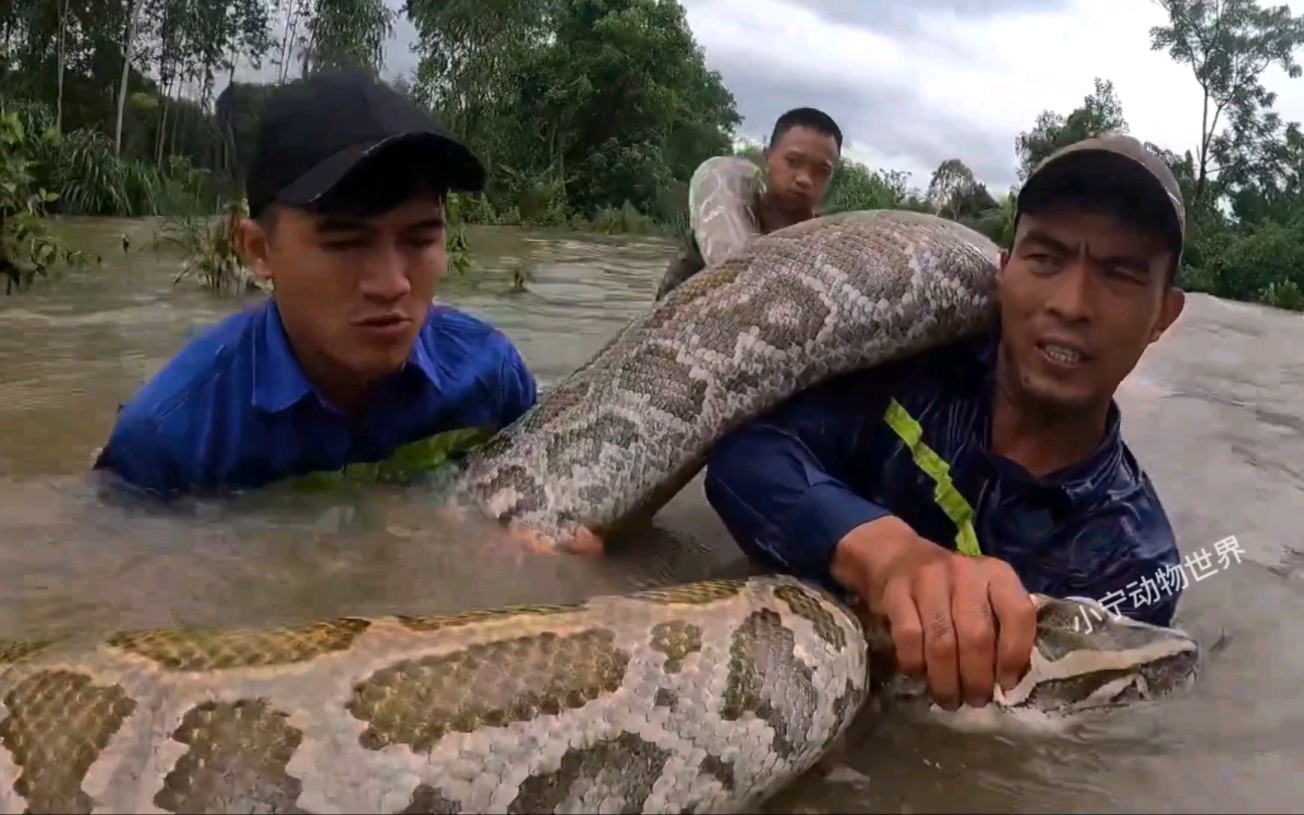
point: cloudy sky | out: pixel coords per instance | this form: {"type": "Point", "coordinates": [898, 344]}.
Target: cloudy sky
{"type": "Point", "coordinates": [915, 82]}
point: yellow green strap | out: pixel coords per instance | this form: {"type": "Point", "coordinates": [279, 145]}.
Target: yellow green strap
{"type": "Point", "coordinates": [405, 464]}
{"type": "Point", "coordinates": [946, 495]}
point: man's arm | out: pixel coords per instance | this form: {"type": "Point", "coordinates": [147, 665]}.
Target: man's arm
{"type": "Point", "coordinates": [686, 263]}
{"type": "Point", "coordinates": [137, 454]}
{"type": "Point", "coordinates": [779, 484]}
{"type": "Point", "coordinates": [518, 389]}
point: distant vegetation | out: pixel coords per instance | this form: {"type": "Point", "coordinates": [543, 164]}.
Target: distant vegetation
{"type": "Point", "coordinates": [590, 114]}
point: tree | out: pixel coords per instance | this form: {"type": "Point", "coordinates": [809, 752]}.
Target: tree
{"type": "Point", "coordinates": [954, 193]}
{"type": "Point", "coordinates": [1100, 112]}
{"type": "Point", "coordinates": [575, 105]}
{"type": "Point", "coordinates": [63, 60]}
{"type": "Point", "coordinates": [472, 53]}
{"type": "Point", "coordinates": [348, 34]}
{"type": "Point", "coordinates": [129, 35]}
{"type": "Point", "coordinates": [1229, 44]}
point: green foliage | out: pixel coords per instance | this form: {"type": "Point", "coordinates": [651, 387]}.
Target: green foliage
{"type": "Point", "coordinates": [26, 250]}
{"type": "Point", "coordinates": [585, 111]}
{"type": "Point", "coordinates": [349, 34]}
{"type": "Point", "coordinates": [1100, 112]}
{"type": "Point", "coordinates": [1264, 264]}
{"type": "Point", "coordinates": [459, 253]}
{"type": "Point", "coordinates": [80, 167]}
{"type": "Point", "coordinates": [626, 220]}
{"type": "Point", "coordinates": [427, 458]}
{"type": "Point", "coordinates": [1229, 44]}
{"type": "Point", "coordinates": [1244, 180]}
{"type": "Point", "coordinates": [209, 247]}
{"type": "Point", "coordinates": [588, 114]}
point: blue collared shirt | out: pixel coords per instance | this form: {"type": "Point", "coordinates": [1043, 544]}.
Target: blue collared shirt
{"type": "Point", "coordinates": [233, 410]}
{"type": "Point", "coordinates": [791, 485]}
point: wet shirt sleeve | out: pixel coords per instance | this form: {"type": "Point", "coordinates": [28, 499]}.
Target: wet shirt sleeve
{"type": "Point", "coordinates": [138, 454]}
{"type": "Point", "coordinates": [781, 483]}
{"type": "Point", "coordinates": [519, 390]}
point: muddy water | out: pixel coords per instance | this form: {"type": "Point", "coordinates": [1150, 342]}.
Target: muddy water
{"type": "Point", "coordinates": [1214, 413]}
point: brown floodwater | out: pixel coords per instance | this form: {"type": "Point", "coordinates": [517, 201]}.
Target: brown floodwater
{"type": "Point", "coordinates": [1215, 413]}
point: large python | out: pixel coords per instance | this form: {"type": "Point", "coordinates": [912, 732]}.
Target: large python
{"type": "Point", "coordinates": [623, 433]}
{"type": "Point", "coordinates": [722, 213]}
{"type": "Point", "coordinates": [704, 697]}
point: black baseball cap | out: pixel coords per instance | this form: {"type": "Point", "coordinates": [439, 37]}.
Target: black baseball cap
{"type": "Point", "coordinates": [319, 134]}
{"type": "Point", "coordinates": [1112, 164]}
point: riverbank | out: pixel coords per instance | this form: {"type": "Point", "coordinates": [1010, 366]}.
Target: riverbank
{"type": "Point", "coordinates": [1234, 273]}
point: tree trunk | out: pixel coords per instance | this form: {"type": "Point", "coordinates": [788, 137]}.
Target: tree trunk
{"type": "Point", "coordinates": [174, 138]}
{"type": "Point", "coordinates": [133, 14]}
{"type": "Point", "coordinates": [227, 137]}
{"type": "Point", "coordinates": [165, 105]}
{"type": "Point", "coordinates": [161, 135]}
{"type": "Point", "coordinates": [287, 44]}
{"type": "Point", "coordinates": [63, 35]}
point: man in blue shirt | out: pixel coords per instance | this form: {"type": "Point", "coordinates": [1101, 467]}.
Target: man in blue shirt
{"type": "Point", "coordinates": [943, 489]}
{"type": "Point", "coordinates": [349, 360]}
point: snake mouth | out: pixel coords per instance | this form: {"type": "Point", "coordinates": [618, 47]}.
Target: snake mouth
{"type": "Point", "coordinates": [1112, 688]}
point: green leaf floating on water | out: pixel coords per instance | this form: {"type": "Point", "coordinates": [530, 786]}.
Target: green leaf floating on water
{"type": "Point", "coordinates": [407, 464]}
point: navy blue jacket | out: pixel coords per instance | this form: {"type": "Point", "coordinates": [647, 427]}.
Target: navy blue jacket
{"type": "Point", "coordinates": [792, 484]}
{"type": "Point", "coordinates": [234, 410]}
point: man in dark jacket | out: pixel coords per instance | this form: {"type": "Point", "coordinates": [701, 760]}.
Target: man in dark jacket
{"type": "Point", "coordinates": [941, 490]}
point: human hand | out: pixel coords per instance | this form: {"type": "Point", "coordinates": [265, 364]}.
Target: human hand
{"type": "Point", "coordinates": [579, 542]}
{"type": "Point", "coordinates": [961, 622]}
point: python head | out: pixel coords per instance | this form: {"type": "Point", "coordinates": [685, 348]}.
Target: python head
{"type": "Point", "coordinates": [1086, 657]}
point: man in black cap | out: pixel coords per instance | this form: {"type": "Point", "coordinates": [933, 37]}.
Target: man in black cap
{"type": "Point", "coordinates": [943, 489]}
{"type": "Point", "coordinates": [350, 359]}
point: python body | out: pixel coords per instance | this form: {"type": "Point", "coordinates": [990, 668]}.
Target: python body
{"type": "Point", "coordinates": [696, 698]}
{"type": "Point", "coordinates": [619, 436]}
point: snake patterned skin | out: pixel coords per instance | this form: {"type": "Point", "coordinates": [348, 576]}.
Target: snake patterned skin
{"type": "Point", "coordinates": [722, 197]}
{"type": "Point", "coordinates": [722, 215]}
{"type": "Point", "coordinates": [701, 697]}
{"type": "Point", "coordinates": [622, 434]}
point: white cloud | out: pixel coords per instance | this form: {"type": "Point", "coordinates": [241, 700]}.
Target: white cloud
{"type": "Point", "coordinates": [915, 82]}
{"type": "Point", "coordinates": [960, 83]}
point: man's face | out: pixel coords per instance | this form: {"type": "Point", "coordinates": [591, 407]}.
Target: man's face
{"type": "Point", "coordinates": [1081, 296]}
{"type": "Point", "coordinates": [800, 165]}
{"type": "Point", "coordinates": [353, 292]}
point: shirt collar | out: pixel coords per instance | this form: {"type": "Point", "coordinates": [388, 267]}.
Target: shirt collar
{"type": "Point", "coordinates": [279, 382]}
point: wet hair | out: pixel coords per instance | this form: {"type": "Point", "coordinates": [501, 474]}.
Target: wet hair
{"type": "Point", "coordinates": [1137, 204]}
{"type": "Point", "coordinates": [816, 120]}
